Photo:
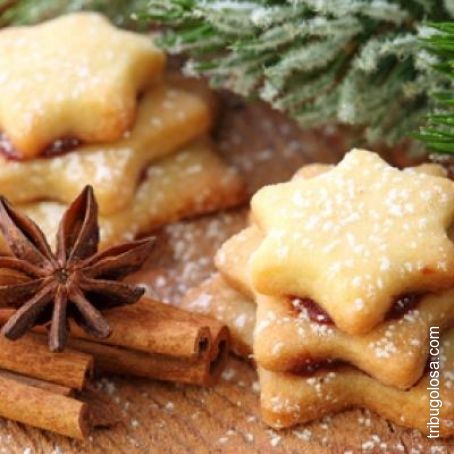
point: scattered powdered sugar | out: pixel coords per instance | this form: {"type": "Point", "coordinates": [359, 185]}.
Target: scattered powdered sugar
{"type": "Point", "coordinates": [228, 374]}
{"type": "Point", "coordinates": [373, 443]}
{"type": "Point", "coordinates": [275, 439]}
{"type": "Point", "coordinates": [185, 264]}
{"type": "Point", "coordinates": [304, 434]}
{"type": "Point", "coordinates": [169, 406]}
{"type": "Point", "coordinates": [249, 437]}
{"type": "Point", "coordinates": [135, 423]}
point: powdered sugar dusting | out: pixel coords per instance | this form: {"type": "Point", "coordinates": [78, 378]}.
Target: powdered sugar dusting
{"type": "Point", "coordinates": [370, 230]}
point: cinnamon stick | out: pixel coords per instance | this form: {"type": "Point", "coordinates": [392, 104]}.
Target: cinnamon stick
{"type": "Point", "coordinates": [204, 371]}
{"type": "Point", "coordinates": [30, 357]}
{"type": "Point", "coordinates": [51, 387]}
{"type": "Point", "coordinates": [43, 409]}
{"type": "Point", "coordinates": [155, 340]}
{"type": "Point", "coordinates": [154, 327]}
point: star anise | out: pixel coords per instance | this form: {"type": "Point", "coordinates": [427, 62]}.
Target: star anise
{"type": "Point", "coordinates": [77, 281]}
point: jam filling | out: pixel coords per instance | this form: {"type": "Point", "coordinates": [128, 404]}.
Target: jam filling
{"type": "Point", "coordinates": [142, 176]}
{"type": "Point", "coordinates": [314, 311]}
{"type": "Point", "coordinates": [306, 367]}
{"type": "Point", "coordinates": [58, 147]}
{"type": "Point", "coordinates": [402, 304]}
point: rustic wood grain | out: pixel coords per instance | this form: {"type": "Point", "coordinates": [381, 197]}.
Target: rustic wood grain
{"type": "Point", "coordinates": [158, 417]}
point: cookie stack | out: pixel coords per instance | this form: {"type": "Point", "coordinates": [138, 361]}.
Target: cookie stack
{"type": "Point", "coordinates": [82, 102]}
{"type": "Point", "coordinates": [351, 274]}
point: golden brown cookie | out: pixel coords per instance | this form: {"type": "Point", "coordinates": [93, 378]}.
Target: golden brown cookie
{"type": "Point", "coordinates": [435, 170]}
{"type": "Point", "coordinates": [216, 298]}
{"type": "Point", "coordinates": [355, 239]}
{"type": "Point", "coordinates": [316, 169]}
{"type": "Point", "coordinates": [286, 339]}
{"type": "Point", "coordinates": [288, 336]}
{"type": "Point", "coordinates": [169, 116]}
{"type": "Point", "coordinates": [233, 256]}
{"type": "Point", "coordinates": [288, 399]}
{"type": "Point", "coordinates": [311, 171]}
{"type": "Point", "coordinates": [191, 182]}
{"type": "Point", "coordinates": [74, 77]}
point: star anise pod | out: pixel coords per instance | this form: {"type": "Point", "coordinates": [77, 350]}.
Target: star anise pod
{"type": "Point", "coordinates": [77, 281]}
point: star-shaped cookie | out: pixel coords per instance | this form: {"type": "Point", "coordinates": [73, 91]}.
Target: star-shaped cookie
{"type": "Point", "coordinates": [288, 339]}
{"type": "Point", "coordinates": [288, 399]}
{"type": "Point", "coordinates": [193, 181]}
{"type": "Point", "coordinates": [395, 353]}
{"type": "Point", "coordinates": [170, 115]}
{"type": "Point", "coordinates": [355, 239]}
{"type": "Point", "coordinates": [74, 77]}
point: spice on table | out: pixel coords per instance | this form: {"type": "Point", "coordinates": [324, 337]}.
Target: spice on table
{"type": "Point", "coordinates": [76, 282]}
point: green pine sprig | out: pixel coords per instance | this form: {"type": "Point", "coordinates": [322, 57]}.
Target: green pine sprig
{"type": "Point", "coordinates": [26, 12]}
{"type": "Point", "coordinates": [438, 131]}
{"type": "Point", "coordinates": [355, 62]}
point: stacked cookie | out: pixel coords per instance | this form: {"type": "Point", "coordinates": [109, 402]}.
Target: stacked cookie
{"type": "Point", "coordinates": [350, 271]}
{"type": "Point", "coordinates": [82, 102]}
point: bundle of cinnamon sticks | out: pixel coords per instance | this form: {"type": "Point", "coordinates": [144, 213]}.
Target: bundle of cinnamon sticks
{"type": "Point", "coordinates": [150, 339]}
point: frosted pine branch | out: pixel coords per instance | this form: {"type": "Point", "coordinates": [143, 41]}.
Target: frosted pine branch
{"type": "Point", "coordinates": [350, 61]}
{"type": "Point", "coordinates": [438, 130]}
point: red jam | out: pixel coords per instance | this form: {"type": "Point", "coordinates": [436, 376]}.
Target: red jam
{"type": "Point", "coordinates": [402, 305]}
{"type": "Point", "coordinates": [61, 146]}
{"type": "Point", "coordinates": [6, 148]}
{"type": "Point", "coordinates": [58, 147]}
{"type": "Point", "coordinates": [314, 311]}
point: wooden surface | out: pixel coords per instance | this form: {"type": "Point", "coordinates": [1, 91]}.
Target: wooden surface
{"type": "Point", "coordinates": [159, 417]}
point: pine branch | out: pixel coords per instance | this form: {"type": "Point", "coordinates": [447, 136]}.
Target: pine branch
{"type": "Point", "coordinates": [25, 12]}
{"type": "Point", "coordinates": [351, 61]}
{"type": "Point", "coordinates": [438, 132]}
{"type": "Point", "coordinates": [360, 62]}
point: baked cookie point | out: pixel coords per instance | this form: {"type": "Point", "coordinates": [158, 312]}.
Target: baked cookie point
{"type": "Point", "coordinates": [355, 239]}
{"type": "Point", "coordinates": [76, 77]}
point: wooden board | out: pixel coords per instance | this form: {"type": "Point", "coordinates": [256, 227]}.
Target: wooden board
{"type": "Point", "coordinates": [159, 417]}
